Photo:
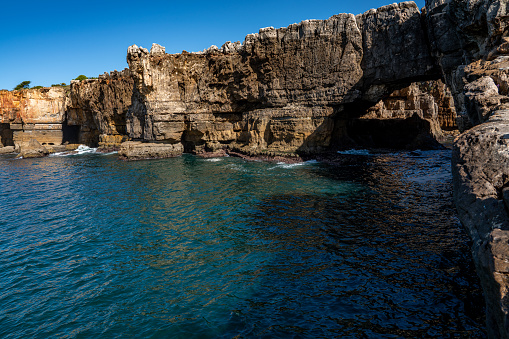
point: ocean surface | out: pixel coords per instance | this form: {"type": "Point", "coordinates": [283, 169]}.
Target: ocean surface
{"type": "Point", "coordinates": [94, 247]}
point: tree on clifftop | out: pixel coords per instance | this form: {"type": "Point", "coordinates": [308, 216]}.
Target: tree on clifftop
{"type": "Point", "coordinates": [22, 85]}
{"type": "Point", "coordinates": [81, 77]}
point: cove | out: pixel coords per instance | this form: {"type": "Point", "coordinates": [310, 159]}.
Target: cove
{"type": "Point", "coordinates": [217, 248]}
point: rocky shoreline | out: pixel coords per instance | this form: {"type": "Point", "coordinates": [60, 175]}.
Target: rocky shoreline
{"type": "Point", "coordinates": [393, 77]}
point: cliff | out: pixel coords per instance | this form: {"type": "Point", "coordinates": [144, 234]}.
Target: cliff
{"type": "Point", "coordinates": [470, 40]}
{"type": "Point", "coordinates": [99, 106]}
{"type": "Point", "coordinates": [32, 114]}
{"type": "Point", "coordinates": [283, 90]}
{"type": "Point", "coordinates": [391, 77]}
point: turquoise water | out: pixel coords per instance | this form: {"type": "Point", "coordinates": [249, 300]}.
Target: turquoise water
{"type": "Point", "coordinates": [93, 247]}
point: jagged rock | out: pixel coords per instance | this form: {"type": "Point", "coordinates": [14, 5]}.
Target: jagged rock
{"type": "Point", "coordinates": [33, 149]}
{"type": "Point", "coordinates": [283, 89]}
{"type": "Point", "coordinates": [99, 107]}
{"type": "Point", "coordinates": [480, 176]}
{"type": "Point", "coordinates": [157, 49]}
{"type": "Point", "coordinates": [465, 36]}
{"type": "Point", "coordinates": [429, 101]}
{"type": "Point", "coordinates": [481, 96]}
{"type": "Point", "coordinates": [135, 150]}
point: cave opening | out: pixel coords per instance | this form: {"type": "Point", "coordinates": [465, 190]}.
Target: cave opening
{"type": "Point", "coordinates": [71, 133]}
{"type": "Point", "coordinates": [6, 135]}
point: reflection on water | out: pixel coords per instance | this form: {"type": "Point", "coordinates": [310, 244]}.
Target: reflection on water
{"type": "Point", "coordinates": [187, 247]}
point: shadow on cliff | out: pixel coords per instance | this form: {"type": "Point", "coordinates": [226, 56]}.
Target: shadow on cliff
{"type": "Point", "coordinates": [350, 130]}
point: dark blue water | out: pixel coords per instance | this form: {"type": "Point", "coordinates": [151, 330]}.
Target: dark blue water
{"type": "Point", "coordinates": [93, 247]}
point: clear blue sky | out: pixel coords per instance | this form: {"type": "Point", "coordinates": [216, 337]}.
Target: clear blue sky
{"type": "Point", "coordinates": [50, 42]}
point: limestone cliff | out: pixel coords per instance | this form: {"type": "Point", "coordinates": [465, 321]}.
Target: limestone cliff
{"type": "Point", "coordinates": [470, 41]}
{"type": "Point", "coordinates": [282, 90]}
{"type": "Point", "coordinates": [32, 114]}
{"type": "Point", "coordinates": [371, 79]}
{"type": "Point", "coordinates": [99, 106]}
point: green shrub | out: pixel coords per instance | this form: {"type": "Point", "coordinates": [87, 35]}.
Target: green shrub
{"type": "Point", "coordinates": [37, 87]}
{"type": "Point", "coordinates": [22, 85]}
{"type": "Point", "coordinates": [81, 77]}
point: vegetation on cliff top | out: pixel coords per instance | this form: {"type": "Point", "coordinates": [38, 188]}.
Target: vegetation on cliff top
{"type": "Point", "coordinates": [22, 85]}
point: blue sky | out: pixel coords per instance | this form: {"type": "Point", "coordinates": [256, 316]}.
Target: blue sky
{"type": "Point", "coordinates": [50, 42]}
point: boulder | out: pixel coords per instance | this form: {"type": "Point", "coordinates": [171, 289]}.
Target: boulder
{"type": "Point", "coordinates": [33, 150]}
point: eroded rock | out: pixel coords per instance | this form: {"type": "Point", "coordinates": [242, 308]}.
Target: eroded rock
{"type": "Point", "coordinates": [33, 149]}
{"type": "Point", "coordinates": [135, 150]}
{"type": "Point", "coordinates": [32, 114]}
{"type": "Point", "coordinates": [282, 90]}
{"type": "Point", "coordinates": [98, 107]}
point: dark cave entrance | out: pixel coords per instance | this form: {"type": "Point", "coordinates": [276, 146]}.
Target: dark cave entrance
{"type": "Point", "coordinates": [71, 133]}
{"type": "Point", "coordinates": [410, 133]}
{"type": "Point", "coordinates": [6, 135]}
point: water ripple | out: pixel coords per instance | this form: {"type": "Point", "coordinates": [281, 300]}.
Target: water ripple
{"type": "Point", "coordinates": [218, 248]}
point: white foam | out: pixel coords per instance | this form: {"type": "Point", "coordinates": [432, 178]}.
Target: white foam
{"type": "Point", "coordinates": [82, 149]}
{"type": "Point", "coordinates": [289, 166]}
{"type": "Point", "coordinates": [214, 160]}
{"type": "Point", "coordinates": [355, 152]}
{"type": "Point", "coordinates": [110, 153]}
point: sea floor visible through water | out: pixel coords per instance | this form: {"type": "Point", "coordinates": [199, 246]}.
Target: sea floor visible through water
{"type": "Point", "coordinates": [370, 247]}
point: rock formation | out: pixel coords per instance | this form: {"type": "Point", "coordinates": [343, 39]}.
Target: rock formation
{"type": "Point", "coordinates": [32, 149]}
{"type": "Point", "coordinates": [283, 90]}
{"type": "Point", "coordinates": [98, 108]}
{"type": "Point", "coordinates": [32, 114]}
{"type": "Point", "coordinates": [421, 113]}
{"type": "Point", "coordinates": [470, 41]}
{"type": "Point", "coordinates": [391, 77]}
{"type": "Point", "coordinates": [135, 150]}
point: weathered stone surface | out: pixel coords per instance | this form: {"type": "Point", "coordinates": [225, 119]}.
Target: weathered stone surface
{"type": "Point", "coordinates": [99, 107]}
{"type": "Point", "coordinates": [481, 174]}
{"type": "Point", "coordinates": [284, 89]}
{"type": "Point", "coordinates": [467, 38]}
{"type": "Point", "coordinates": [33, 149]}
{"type": "Point", "coordinates": [7, 149]}
{"type": "Point", "coordinates": [413, 117]}
{"type": "Point", "coordinates": [135, 150]}
{"type": "Point", "coordinates": [33, 113]}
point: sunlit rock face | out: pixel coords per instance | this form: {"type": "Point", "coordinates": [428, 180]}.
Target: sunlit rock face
{"type": "Point", "coordinates": [32, 114]}
{"type": "Point", "coordinates": [282, 90]}
{"type": "Point", "coordinates": [98, 108]}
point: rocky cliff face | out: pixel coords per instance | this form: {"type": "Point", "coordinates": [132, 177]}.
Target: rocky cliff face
{"type": "Point", "coordinates": [349, 80]}
{"type": "Point", "coordinates": [99, 106]}
{"type": "Point", "coordinates": [470, 40]}
{"type": "Point", "coordinates": [421, 113]}
{"type": "Point", "coordinates": [32, 114]}
{"type": "Point", "coordinates": [283, 90]}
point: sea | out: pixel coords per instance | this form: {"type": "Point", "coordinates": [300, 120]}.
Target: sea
{"type": "Point", "coordinates": [368, 246]}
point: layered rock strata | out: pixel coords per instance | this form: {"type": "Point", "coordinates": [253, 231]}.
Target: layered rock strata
{"type": "Point", "coordinates": [312, 86]}
{"type": "Point", "coordinates": [98, 108]}
{"type": "Point", "coordinates": [32, 114]}
{"type": "Point", "coordinates": [284, 90]}
{"type": "Point", "coordinates": [135, 150]}
{"type": "Point", "coordinates": [470, 40]}
{"type": "Point", "coordinates": [419, 113]}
